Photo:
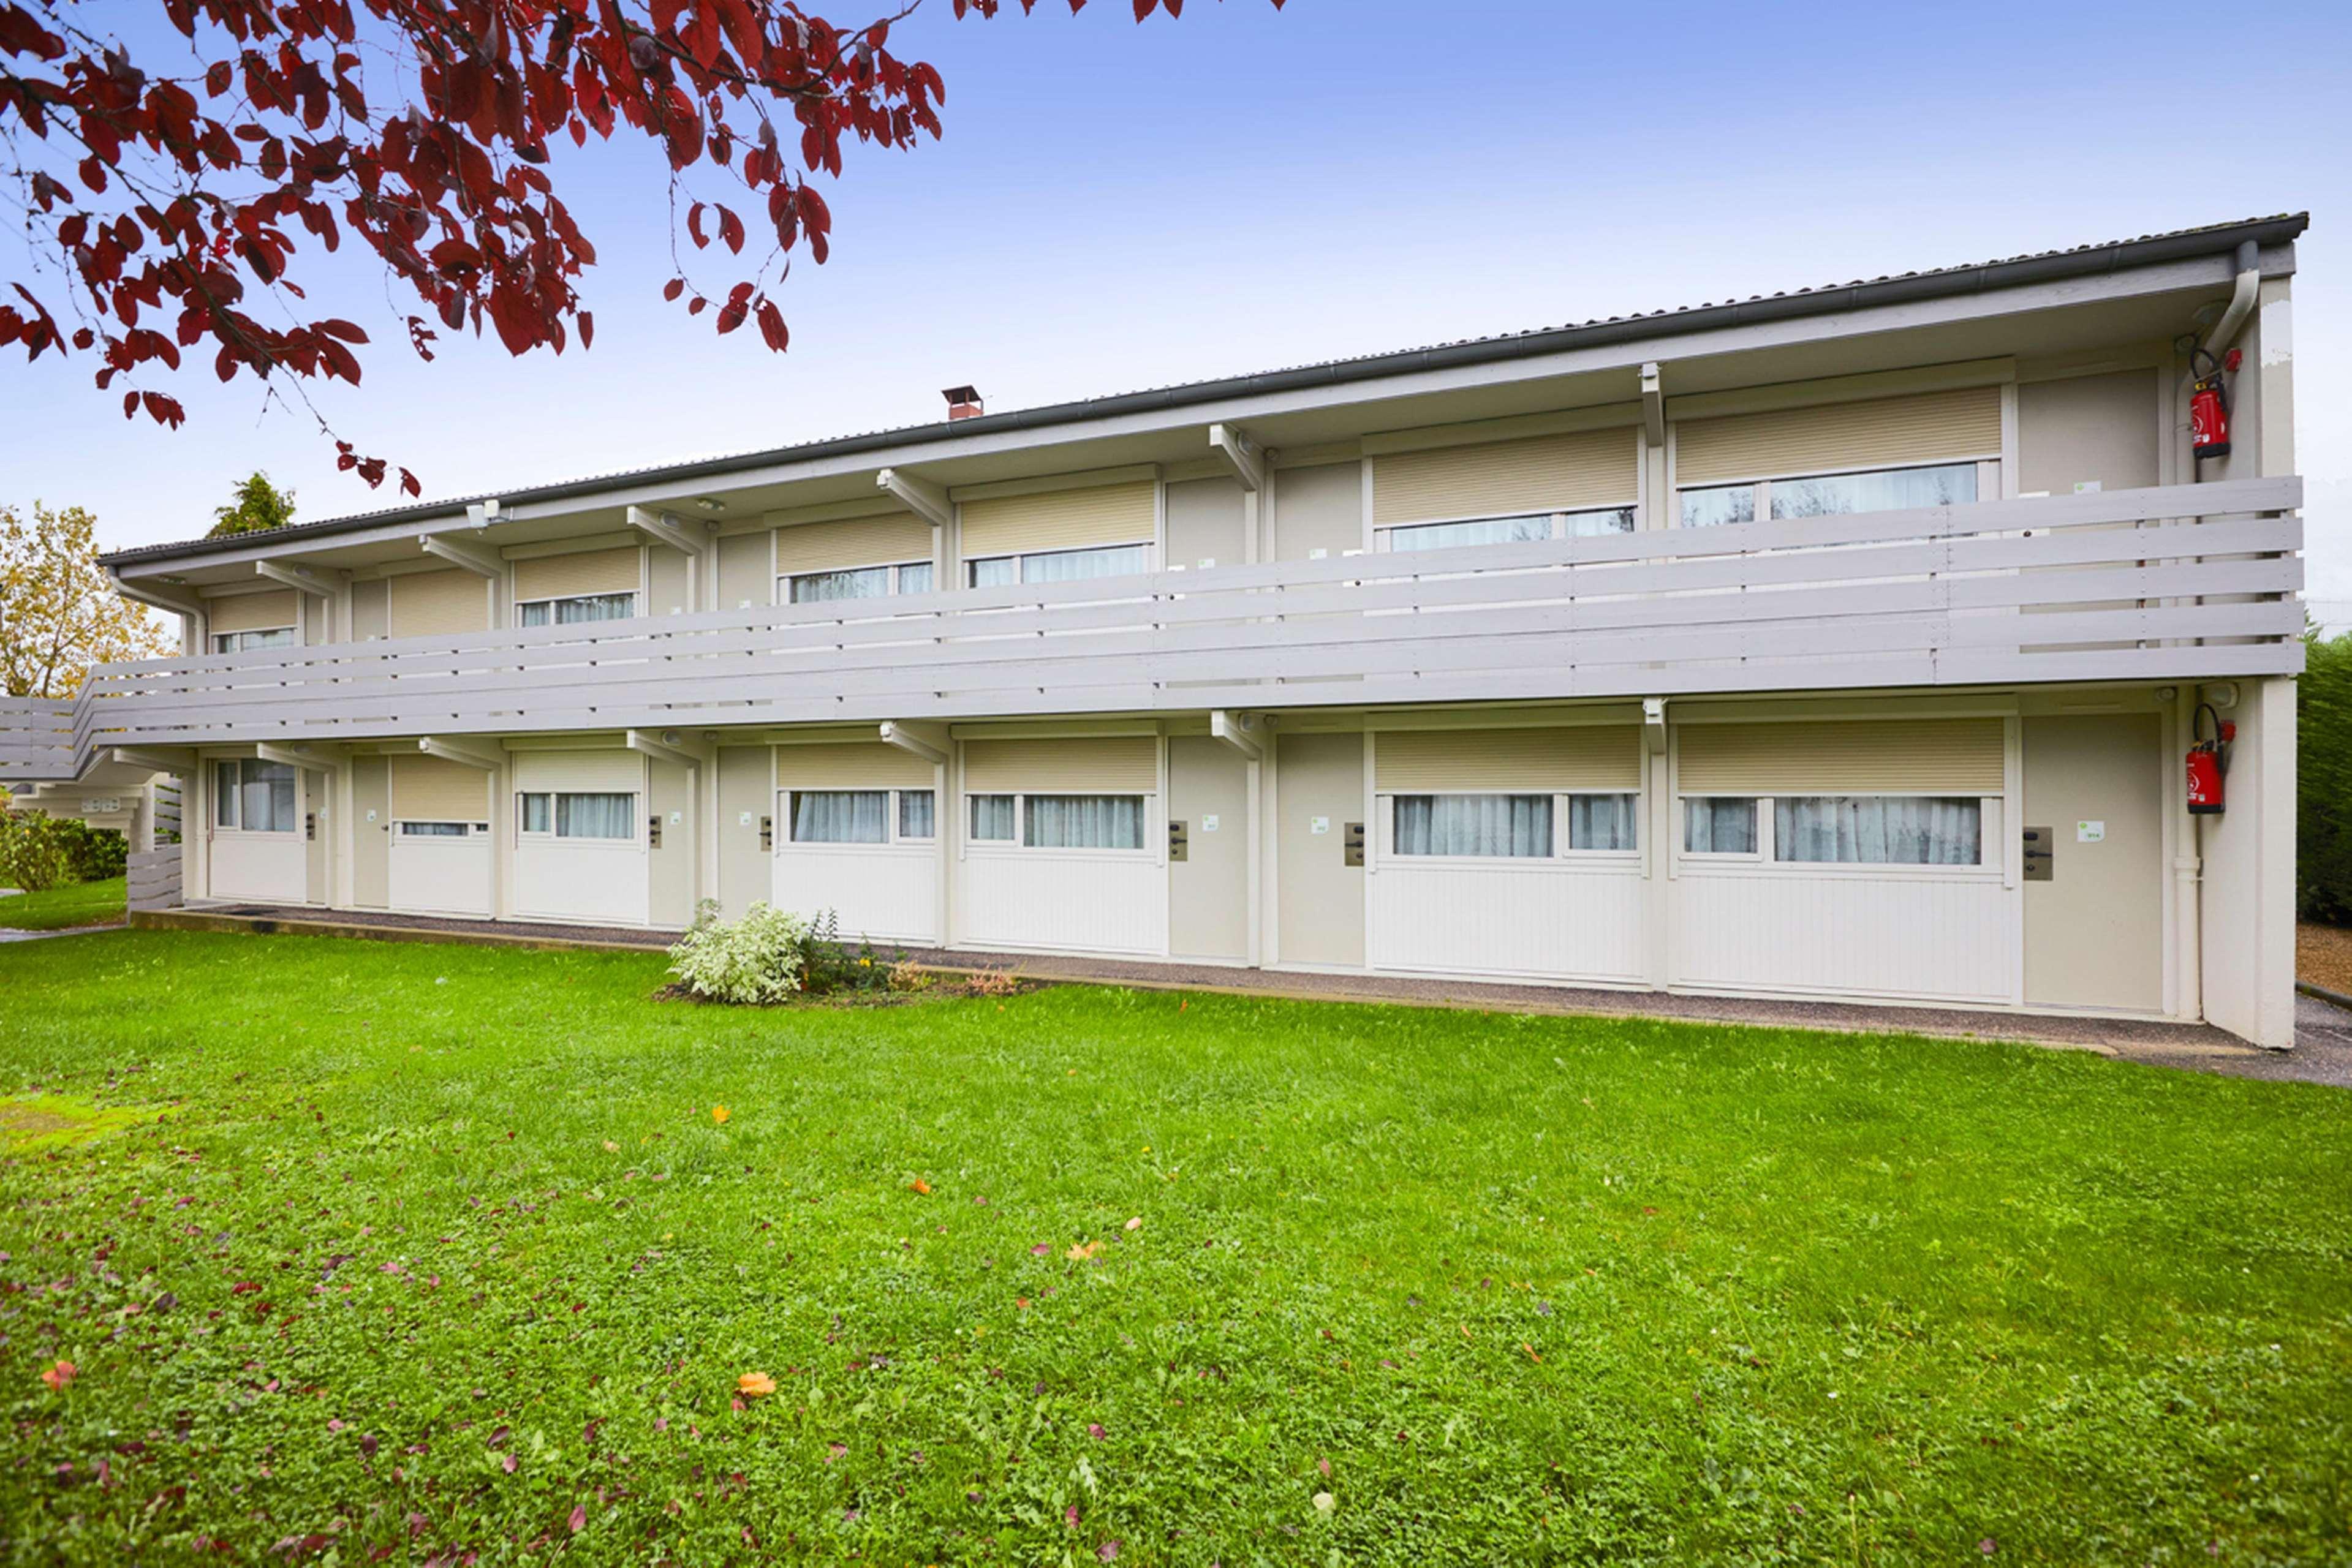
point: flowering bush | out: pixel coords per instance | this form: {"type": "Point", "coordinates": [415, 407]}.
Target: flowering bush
{"type": "Point", "coordinates": [763, 958]}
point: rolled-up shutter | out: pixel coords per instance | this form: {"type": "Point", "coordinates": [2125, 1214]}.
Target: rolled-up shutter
{"type": "Point", "coordinates": [1061, 519]}
{"type": "Point", "coordinates": [439, 603]}
{"type": "Point", "coordinates": [265, 611]}
{"type": "Point", "coordinates": [858, 542]}
{"type": "Point", "coordinates": [1585, 757]}
{"type": "Point", "coordinates": [1821, 757]}
{"type": "Point", "coordinates": [1108, 765]}
{"type": "Point", "coordinates": [1546, 474]}
{"type": "Point", "coordinates": [434, 790]}
{"type": "Point", "coordinates": [851, 764]}
{"type": "Point", "coordinates": [1931, 427]}
{"type": "Point", "coordinates": [582, 571]}
{"type": "Point", "coordinates": [581, 772]}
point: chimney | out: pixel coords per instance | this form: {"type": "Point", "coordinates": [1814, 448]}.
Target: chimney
{"type": "Point", "coordinates": [963, 402]}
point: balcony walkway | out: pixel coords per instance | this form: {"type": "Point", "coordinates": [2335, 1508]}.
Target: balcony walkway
{"type": "Point", "coordinates": [2323, 1055]}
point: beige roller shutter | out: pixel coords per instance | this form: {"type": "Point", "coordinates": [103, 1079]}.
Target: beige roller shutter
{"type": "Point", "coordinates": [581, 772]}
{"type": "Point", "coordinates": [439, 603]}
{"type": "Point", "coordinates": [434, 790]}
{"type": "Point", "coordinates": [1921, 755]}
{"type": "Point", "coordinates": [582, 571]}
{"type": "Point", "coordinates": [1111, 765]}
{"type": "Point", "coordinates": [850, 765]}
{"type": "Point", "coordinates": [1061, 519]}
{"type": "Point", "coordinates": [1547, 473]}
{"type": "Point", "coordinates": [858, 542]}
{"type": "Point", "coordinates": [1931, 427]}
{"type": "Point", "coordinates": [1586, 756]}
{"type": "Point", "coordinates": [251, 611]}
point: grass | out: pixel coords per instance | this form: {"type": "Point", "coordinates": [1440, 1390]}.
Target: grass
{"type": "Point", "coordinates": [432, 1254]}
{"type": "Point", "coordinates": [69, 905]}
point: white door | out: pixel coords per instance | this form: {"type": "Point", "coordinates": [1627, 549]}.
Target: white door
{"type": "Point", "coordinates": [439, 870]}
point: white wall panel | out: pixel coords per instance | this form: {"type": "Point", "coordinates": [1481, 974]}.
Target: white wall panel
{"type": "Point", "coordinates": [1064, 901]}
{"type": "Point", "coordinates": [1919, 936]}
{"type": "Point", "coordinates": [589, 884]}
{"type": "Point", "coordinates": [441, 876]}
{"type": "Point", "coordinates": [266, 867]}
{"type": "Point", "coordinates": [1549, 922]}
{"type": "Point", "coordinates": [888, 893]}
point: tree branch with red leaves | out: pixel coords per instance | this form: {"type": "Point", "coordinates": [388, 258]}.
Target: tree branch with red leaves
{"type": "Point", "coordinates": [167, 216]}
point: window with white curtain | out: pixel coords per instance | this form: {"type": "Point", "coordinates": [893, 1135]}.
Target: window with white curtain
{"type": "Point", "coordinates": [254, 797]}
{"type": "Point", "coordinates": [995, 818]}
{"type": "Point", "coordinates": [434, 830]}
{"type": "Point", "coordinates": [246, 642]}
{"type": "Point", "coordinates": [1878, 829]}
{"type": "Point", "coordinates": [858, 583]}
{"type": "Point", "coordinates": [569, 815]}
{"type": "Point", "coordinates": [918, 814]}
{"type": "Point", "coordinates": [1829, 495]}
{"type": "Point", "coordinates": [860, 816]}
{"type": "Point", "coordinates": [1518, 826]}
{"type": "Point", "coordinates": [577, 609]}
{"type": "Point", "coordinates": [1719, 825]}
{"type": "Point", "coordinates": [1591, 524]}
{"type": "Point", "coordinates": [1082, 822]}
{"type": "Point", "coordinates": [1058, 566]}
{"type": "Point", "coordinates": [1603, 821]}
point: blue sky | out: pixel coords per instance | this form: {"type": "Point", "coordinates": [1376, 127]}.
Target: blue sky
{"type": "Point", "coordinates": [1117, 206]}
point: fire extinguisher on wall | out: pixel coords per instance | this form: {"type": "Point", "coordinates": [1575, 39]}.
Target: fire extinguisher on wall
{"type": "Point", "coordinates": [2208, 403]}
{"type": "Point", "coordinates": [2209, 763]}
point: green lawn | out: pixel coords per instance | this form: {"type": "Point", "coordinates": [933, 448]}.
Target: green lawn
{"type": "Point", "coordinates": [54, 909]}
{"type": "Point", "coordinates": [405, 1253]}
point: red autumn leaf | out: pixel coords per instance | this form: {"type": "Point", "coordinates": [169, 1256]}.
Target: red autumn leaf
{"type": "Point", "coordinates": [579, 1518]}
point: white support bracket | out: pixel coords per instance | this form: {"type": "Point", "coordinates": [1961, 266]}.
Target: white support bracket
{"type": "Point", "coordinates": [158, 596]}
{"type": "Point", "coordinates": [1653, 405]}
{"type": "Point", "coordinates": [1654, 725]}
{"type": "Point", "coordinates": [1238, 730]}
{"type": "Point", "coordinates": [928, 741]}
{"type": "Point", "coordinates": [473, 557]}
{"type": "Point", "coordinates": [918, 495]}
{"type": "Point", "coordinates": [301, 579]}
{"type": "Point", "coordinates": [473, 754]}
{"type": "Point", "coordinates": [664, 530]}
{"type": "Point", "coordinates": [303, 753]}
{"type": "Point", "coordinates": [176, 759]}
{"type": "Point", "coordinates": [1245, 457]}
{"type": "Point", "coordinates": [671, 746]}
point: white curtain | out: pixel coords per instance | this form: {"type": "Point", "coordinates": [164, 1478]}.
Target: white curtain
{"type": "Point", "coordinates": [994, 571]}
{"type": "Point", "coordinates": [1719, 825]}
{"type": "Point", "coordinates": [595, 816]}
{"type": "Point", "coordinates": [841, 816]}
{"type": "Point", "coordinates": [1602, 822]}
{"type": "Point", "coordinates": [915, 819]}
{"type": "Point", "coordinates": [257, 797]}
{"type": "Point", "coordinates": [432, 830]}
{"type": "Point", "coordinates": [915, 578]}
{"type": "Point", "coordinates": [574, 611]}
{"type": "Point", "coordinates": [1877, 830]}
{"type": "Point", "coordinates": [1514, 825]}
{"type": "Point", "coordinates": [538, 813]}
{"type": "Point", "coordinates": [991, 819]}
{"type": "Point", "coordinates": [1484, 531]}
{"type": "Point", "coordinates": [1833, 495]}
{"type": "Point", "coordinates": [1084, 823]}
{"type": "Point", "coordinates": [1078, 565]}
{"type": "Point", "coordinates": [866, 582]}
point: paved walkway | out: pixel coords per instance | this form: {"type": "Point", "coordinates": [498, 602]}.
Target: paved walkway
{"type": "Point", "coordinates": [2323, 1040]}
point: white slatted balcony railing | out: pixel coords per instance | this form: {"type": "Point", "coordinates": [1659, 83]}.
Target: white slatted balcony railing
{"type": "Point", "coordinates": [2176, 582]}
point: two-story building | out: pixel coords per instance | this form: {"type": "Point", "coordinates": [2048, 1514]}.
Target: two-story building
{"type": "Point", "coordinates": [1843, 643]}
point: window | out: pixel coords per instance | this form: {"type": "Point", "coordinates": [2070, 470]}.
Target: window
{"type": "Point", "coordinates": [1878, 829]}
{"type": "Point", "coordinates": [581, 816]}
{"type": "Point", "coordinates": [433, 830]}
{"type": "Point", "coordinates": [254, 797]}
{"type": "Point", "coordinates": [246, 642]}
{"type": "Point", "coordinates": [1512, 531]}
{"type": "Point", "coordinates": [1830, 495]}
{"type": "Point", "coordinates": [1518, 827]}
{"type": "Point", "coordinates": [1057, 566]}
{"type": "Point", "coordinates": [1719, 825]}
{"type": "Point", "coordinates": [917, 814]}
{"type": "Point", "coordinates": [578, 609]}
{"type": "Point", "coordinates": [992, 819]}
{"type": "Point", "coordinates": [1083, 822]}
{"type": "Point", "coordinates": [859, 816]}
{"type": "Point", "coordinates": [858, 583]}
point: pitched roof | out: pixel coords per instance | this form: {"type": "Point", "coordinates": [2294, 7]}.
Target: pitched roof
{"type": "Point", "coordinates": [1970, 277]}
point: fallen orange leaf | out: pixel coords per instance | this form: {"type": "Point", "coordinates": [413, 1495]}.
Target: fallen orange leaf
{"type": "Point", "coordinates": [1081, 1251]}
{"type": "Point", "coordinates": [921, 1186]}
{"type": "Point", "coordinates": [1531, 1350]}
{"type": "Point", "coordinates": [59, 1375]}
{"type": "Point", "coordinates": [756, 1384]}
{"type": "Point", "coordinates": [719, 1114]}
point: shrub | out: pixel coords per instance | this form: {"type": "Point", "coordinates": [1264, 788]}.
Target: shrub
{"type": "Point", "coordinates": [761, 957]}
{"type": "Point", "coordinates": [2323, 872]}
{"type": "Point", "coordinates": [33, 853]}
{"type": "Point", "coordinates": [92, 854]}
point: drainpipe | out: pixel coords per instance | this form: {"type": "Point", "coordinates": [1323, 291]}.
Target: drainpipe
{"type": "Point", "coordinates": [2242, 299]}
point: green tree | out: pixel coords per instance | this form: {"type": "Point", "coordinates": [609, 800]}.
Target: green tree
{"type": "Point", "coordinates": [2323, 700]}
{"type": "Point", "coordinates": [257, 505]}
{"type": "Point", "coordinates": [59, 612]}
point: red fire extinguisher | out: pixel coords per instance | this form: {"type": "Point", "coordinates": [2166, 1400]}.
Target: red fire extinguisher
{"type": "Point", "coordinates": [2208, 404]}
{"type": "Point", "coordinates": [2209, 763]}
